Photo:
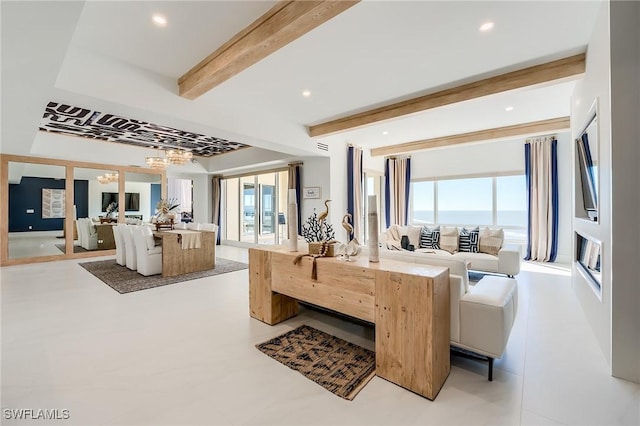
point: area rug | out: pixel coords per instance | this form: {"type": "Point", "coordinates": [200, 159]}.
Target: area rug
{"type": "Point", "coordinates": [335, 364]}
{"type": "Point", "coordinates": [474, 277]}
{"type": "Point", "coordinates": [76, 249]}
{"type": "Point", "coordinates": [124, 280]}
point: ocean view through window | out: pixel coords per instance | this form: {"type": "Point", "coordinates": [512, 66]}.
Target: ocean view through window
{"type": "Point", "coordinates": [493, 201]}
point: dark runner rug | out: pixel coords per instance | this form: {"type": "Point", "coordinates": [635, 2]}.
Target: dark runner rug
{"type": "Point", "coordinates": [335, 364]}
{"type": "Point", "coordinates": [124, 280]}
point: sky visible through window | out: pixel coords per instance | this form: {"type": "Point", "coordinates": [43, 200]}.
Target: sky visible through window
{"type": "Point", "coordinates": [470, 201]}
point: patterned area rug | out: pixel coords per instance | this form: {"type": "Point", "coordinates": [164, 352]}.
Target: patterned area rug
{"type": "Point", "coordinates": [335, 364]}
{"type": "Point", "coordinates": [124, 280]}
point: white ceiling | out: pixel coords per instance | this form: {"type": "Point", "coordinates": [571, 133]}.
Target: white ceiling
{"type": "Point", "coordinates": [109, 56]}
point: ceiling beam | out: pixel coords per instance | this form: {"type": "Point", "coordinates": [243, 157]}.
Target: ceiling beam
{"type": "Point", "coordinates": [534, 127]}
{"type": "Point", "coordinates": [570, 67]}
{"type": "Point", "coordinates": [279, 26]}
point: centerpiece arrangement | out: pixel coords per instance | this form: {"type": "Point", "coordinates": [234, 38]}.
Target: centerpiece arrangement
{"type": "Point", "coordinates": [112, 209]}
{"type": "Point", "coordinates": [167, 210]}
{"type": "Point", "coordinates": [319, 234]}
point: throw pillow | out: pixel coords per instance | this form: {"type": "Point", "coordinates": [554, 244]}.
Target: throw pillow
{"type": "Point", "coordinates": [470, 240]}
{"type": "Point", "coordinates": [491, 241]}
{"type": "Point", "coordinates": [430, 237]}
{"type": "Point", "coordinates": [449, 239]}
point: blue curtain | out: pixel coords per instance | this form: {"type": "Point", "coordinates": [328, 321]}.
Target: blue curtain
{"type": "Point", "coordinates": [216, 195]}
{"type": "Point", "coordinates": [387, 194]}
{"type": "Point", "coordinates": [355, 180]}
{"type": "Point", "coordinates": [350, 184]}
{"type": "Point", "coordinates": [541, 173]}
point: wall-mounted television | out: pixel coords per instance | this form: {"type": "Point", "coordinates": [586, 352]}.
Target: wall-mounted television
{"type": "Point", "coordinates": [587, 158]}
{"type": "Point", "coordinates": [131, 200]}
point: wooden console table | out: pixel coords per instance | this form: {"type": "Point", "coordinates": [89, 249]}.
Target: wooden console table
{"type": "Point", "coordinates": [178, 261]}
{"type": "Point", "coordinates": [407, 302]}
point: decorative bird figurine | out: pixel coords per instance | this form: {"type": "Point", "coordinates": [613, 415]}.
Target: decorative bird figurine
{"type": "Point", "coordinates": [325, 213]}
{"type": "Point", "coordinates": [346, 225]}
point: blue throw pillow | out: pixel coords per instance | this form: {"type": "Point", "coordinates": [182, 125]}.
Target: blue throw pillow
{"type": "Point", "coordinates": [469, 240]}
{"type": "Point", "coordinates": [430, 237]}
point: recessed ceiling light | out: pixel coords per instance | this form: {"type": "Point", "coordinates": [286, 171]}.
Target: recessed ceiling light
{"type": "Point", "coordinates": [159, 20]}
{"type": "Point", "coordinates": [486, 26]}
{"type": "Point", "coordinates": [385, 133]}
{"type": "Point", "coordinates": [306, 93]}
{"type": "Point", "coordinates": [509, 108]}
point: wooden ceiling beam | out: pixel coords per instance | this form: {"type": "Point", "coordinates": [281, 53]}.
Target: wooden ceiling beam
{"type": "Point", "coordinates": [279, 26]}
{"type": "Point", "coordinates": [532, 128]}
{"type": "Point", "coordinates": [566, 68]}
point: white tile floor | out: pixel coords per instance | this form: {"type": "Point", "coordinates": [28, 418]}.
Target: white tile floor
{"type": "Point", "coordinates": [184, 354]}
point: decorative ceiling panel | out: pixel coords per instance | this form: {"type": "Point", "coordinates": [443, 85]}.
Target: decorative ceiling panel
{"type": "Point", "coordinates": [90, 124]}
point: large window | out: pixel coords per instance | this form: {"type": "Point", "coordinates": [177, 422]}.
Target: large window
{"type": "Point", "coordinates": [478, 201]}
{"type": "Point", "coordinates": [465, 201]}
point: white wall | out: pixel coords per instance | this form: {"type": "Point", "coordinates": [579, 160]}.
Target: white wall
{"type": "Point", "coordinates": [95, 197]}
{"type": "Point", "coordinates": [612, 77]}
{"type": "Point", "coordinates": [595, 85]}
{"type": "Point", "coordinates": [625, 192]}
{"type": "Point", "coordinates": [503, 156]}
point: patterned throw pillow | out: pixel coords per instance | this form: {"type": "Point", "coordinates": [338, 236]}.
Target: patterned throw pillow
{"type": "Point", "coordinates": [449, 239]}
{"type": "Point", "coordinates": [430, 237]}
{"type": "Point", "coordinates": [491, 241]}
{"type": "Point", "coordinates": [470, 240]}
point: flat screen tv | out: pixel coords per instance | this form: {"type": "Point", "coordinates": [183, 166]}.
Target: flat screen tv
{"type": "Point", "coordinates": [131, 200]}
{"type": "Point", "coordinates": [585, 147]}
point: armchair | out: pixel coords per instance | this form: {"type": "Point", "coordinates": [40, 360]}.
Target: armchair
{"type": "Point", "coordinates": [87, 234]}
{"type": "Point", "coordinates": [118, 233]}
{"type": "Point", "coordinates": [148, 256]}
{"type": "Point", "coordinates": [129, 247]}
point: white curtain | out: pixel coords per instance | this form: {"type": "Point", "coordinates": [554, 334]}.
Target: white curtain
{"type": "Point", "coordinates": [354, 186]}
{"type": "Point", "coordinates": [541, 172]}
{"type": "Point", "coordinates": [397, 180]}
{"type": "Point", "coordinates": [180, 190]}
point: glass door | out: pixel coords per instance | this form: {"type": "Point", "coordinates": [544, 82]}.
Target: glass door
{"type": "Point", "coordinates": [254, 208]}
{"type": "Point", "coordinates": [248, 200]}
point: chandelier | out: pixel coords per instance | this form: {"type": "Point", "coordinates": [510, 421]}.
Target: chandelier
{"type": "Point", "coordinates": [178, 156]}
{"type": "Point", "coordinates": [108, 178]}
{"type": "Point", "coordinates": [157, 162]}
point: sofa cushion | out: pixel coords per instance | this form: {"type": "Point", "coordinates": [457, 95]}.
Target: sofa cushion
{"type": "Point", "coordinates": [469, 240]}
{"type": "Point", "coordinates": [430, 237]}
{"type": "Point", "coordinates": [449, 239]}
{"type": "Point", "coordinates": [491, 241]}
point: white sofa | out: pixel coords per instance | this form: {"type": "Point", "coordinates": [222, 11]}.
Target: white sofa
{"type": "Point", "coordinates": [482, 315]}
{"type": "Point", "coordinates": [506, 262]}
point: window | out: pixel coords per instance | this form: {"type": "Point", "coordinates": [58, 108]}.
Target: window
{"type": "Point", "coordinates": [511, 201]}
{"type": "Point", "coordinates": [478, 201]}
{"type": "Point", "coordinates": [423, 202]}
{"type": "Point", "coordinates": [465, 201]}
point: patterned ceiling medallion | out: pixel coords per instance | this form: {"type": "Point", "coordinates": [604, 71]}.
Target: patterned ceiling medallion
{"type": "Point", "coordinates": [86, 123]}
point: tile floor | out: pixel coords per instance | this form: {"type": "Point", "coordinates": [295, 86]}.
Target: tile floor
{"type": "Point", "coordinates": [184, 354]}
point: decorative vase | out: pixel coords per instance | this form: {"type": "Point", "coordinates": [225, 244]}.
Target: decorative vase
{"type": "Point", "coordinates": [404, 242]}
{"type": "Point", "coordinates": [292, 211]}
{"type": "Point", "coordinates": [372, 217]}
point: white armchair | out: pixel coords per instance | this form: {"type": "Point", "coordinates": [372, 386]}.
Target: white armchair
{"type": "Point", "coordinates": [195, 226]}
{"type": "Point", "coordinates": [482, 315]}
{"type": "Point", "coordinates": [148, 255]}
{"type": "Point", "coordinates": [130, 247]}
{"type": "Point", "coordinates": [121, 250]}
{"type": "Point", "coordinates": [87, 234]}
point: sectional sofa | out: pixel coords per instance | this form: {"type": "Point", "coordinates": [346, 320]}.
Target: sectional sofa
{"type": "Point", "coordinates": [507, 260]}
